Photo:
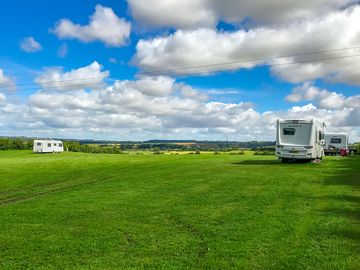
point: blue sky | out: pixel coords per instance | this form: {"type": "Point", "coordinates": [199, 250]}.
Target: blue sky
{"type": "Point", "coordinates": [168, 36]}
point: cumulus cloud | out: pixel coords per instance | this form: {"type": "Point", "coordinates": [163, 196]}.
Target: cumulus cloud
{"type": "Point", "coordinates": [207, 13]}
{"type": "Point", "coordinates": [30, 45]}
{"type": "Point", "coordinates": [173, 13]}
{"type": "Point", "coordinates": [190, 92]}
{"type": "Point", "coordinates": [153, 86]}
{"type": "Point", "coordinates": [2, 99]}
{"type": "Point", "coordinates": [159, 107]}
{"type": "Point", "coordinates": [4, 80]}
{"type": "Point", "coordinates": [90, 76]}
{"type": "Point", "coordinates": [6, 83]}
{"type": "Point", "coordinates": [324, 98]}
{"type": "Point", "coordinates": [196, 51]}
{"type": "Point", "coordinates": [104, 25]}
{"type": "Point", "coordinates": [120, 112]}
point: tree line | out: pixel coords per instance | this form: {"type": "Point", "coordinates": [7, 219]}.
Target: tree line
{"type": "Point", "coordinates": [15, 144]}
{"type": "Point", "coordinates": [76, 146]}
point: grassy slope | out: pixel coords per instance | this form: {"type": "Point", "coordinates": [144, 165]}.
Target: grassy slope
{"type": "Point", "coordinates": [86, 211]}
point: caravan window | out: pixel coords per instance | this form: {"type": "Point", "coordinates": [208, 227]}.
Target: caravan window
{"type": "Point", "coordinates": [38, 144]}
{"type": "Point", "coordinates": [49, 144]}
{"type": "Point", "coordinates": [289, 131]}
{"type": "Point", "coordinates": [335, 140]}
{"type": "Point", "coordinates": [54, 144]}
{"type": "Point", "coordinates": [60, 144]}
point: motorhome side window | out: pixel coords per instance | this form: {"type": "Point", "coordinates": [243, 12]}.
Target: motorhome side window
{"type": "Point", "coordinates": [289, 131]}
{"type": "Point", "coordinates": [335, 140]}
{"type": "Point", "coordinates": [38, 144]}
{"type": "Point", "coordinates": [321, 135]}
{"type": "Point", "coordinates": [49, 144]}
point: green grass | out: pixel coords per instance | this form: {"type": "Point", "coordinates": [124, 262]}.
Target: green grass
{"type": "Point", "coordinates": [96, 211]}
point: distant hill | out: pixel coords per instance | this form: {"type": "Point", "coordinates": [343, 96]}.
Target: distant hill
{"type": "Point", "coordinates": [193, 143]}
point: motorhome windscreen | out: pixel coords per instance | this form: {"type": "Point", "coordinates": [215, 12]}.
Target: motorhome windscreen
{"type": "Point", "coordinates": [289, 131]}
{"type": "Point", "coordinates": [295, 134]}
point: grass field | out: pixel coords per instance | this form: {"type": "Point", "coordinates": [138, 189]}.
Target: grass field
{"type": "Point", "coordinates": [95, 211]}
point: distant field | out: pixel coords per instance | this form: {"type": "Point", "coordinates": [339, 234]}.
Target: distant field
{"type": "Point", "coordinates": [97, 211]}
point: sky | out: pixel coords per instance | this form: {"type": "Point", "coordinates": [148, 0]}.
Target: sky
{"type": "Point", "coordinates": [191, 69]}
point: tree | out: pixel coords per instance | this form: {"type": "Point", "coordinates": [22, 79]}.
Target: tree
{"type": "Point", "coordinates": [17, 144]}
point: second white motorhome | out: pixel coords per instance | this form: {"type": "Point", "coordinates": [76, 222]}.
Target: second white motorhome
{"type": "Point", "coordinates": [300, 139]}
{"type": "Point", "coordinates": [334, 142]}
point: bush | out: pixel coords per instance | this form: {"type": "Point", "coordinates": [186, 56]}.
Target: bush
{"type": "Point", "coordinates": [15, 144]}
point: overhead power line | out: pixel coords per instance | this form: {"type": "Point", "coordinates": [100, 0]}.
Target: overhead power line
{"type": "Point", "coordinates": [188, 71]}
{"type": "Point", "coordinates": [61, 81]}
{"type": "Point", "coordinates": [64, 87]}
{"type": "Point", "coordinates": [247, 61]}
{"type": "Point", "coordinates": [272, 65]}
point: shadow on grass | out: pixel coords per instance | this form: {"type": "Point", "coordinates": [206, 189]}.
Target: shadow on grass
{"type": "Point", "coordinates": [347, 206]}
{"type": "Point", "coordinates": [349, 174]}
{"type": "Point", "coordinates": [347, 234]}
{"type": "Point", "coordinates": [271, 162]}
{"type": "Point", "coordinates": [258, 162]}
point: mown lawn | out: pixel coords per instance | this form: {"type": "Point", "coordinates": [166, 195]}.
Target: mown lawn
{"type": "Point", "coordinates": [95, 211]}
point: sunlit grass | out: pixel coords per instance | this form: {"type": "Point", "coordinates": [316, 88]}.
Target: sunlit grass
{"type": "Point", "coordinates": [97, 211]}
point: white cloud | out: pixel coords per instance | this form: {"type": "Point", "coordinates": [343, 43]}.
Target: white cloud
{"type": "Point", "coordinates": [173, 13]}
{"type": "Point", "coordinates": [104, 26]}
{"type": "Point", "coordinates": [159, 107]}
{"type": "Point", "coordinates": [324, 98]}
{"type": "Point", "coordinates": [2, 99]}
{"type": "Point", "coordinates": [206, 47]}
{"type": "Point", "coordinates": [30, 45]}
{"type": "Point", "coordinates": [152, 86]}
{"type": "Point", "coordinates": [63, 50]}
{"type": "Point", "coordinates": [4, 80]}
{"type": "Point", "coordinates": [189, 92]}
{"type": "Point", "coordinates": [207, 13]}
{"type": "Point", "coordinates": [89, 76]}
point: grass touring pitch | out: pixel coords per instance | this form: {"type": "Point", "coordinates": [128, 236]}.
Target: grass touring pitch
{"type": "Point", "coordinates": [87, 211]}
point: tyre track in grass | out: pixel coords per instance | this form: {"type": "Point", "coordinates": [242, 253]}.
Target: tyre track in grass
{"type": "Point", "coordinates": [17, 199]}
{"type": "Point", "coordinates": [203, 248]}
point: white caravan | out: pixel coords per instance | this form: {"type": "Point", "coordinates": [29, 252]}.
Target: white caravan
{"type": "Point", "coordinates": [48, 146]}
{"type": "Point", "coordinates": [299, 139]}
{"type": "Point", "coordinates": [336, 141]}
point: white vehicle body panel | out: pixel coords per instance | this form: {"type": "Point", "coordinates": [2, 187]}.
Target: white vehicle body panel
{"type": "Point", "coordinates": [300, 139]}
{"type": "Point", "coordinates": [337, 141]}
{"type": "Point", "coordinates": [48, 146]}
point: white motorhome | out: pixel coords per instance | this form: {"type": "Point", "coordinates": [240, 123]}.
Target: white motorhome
{"type": "Point", "coordinates": [48, 146]}
{"type": "Point", "coordinates": [299, 139]}
{"type": "Point", "coordinates": [336, 142]}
